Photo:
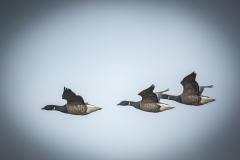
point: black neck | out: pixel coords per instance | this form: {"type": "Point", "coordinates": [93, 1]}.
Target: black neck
{"type": "Point", "coordinates": [134, 104]}
{"type": "Point", "coordinates": [61, 108]}
{"type": "Point", "coordinates": [172, 97]}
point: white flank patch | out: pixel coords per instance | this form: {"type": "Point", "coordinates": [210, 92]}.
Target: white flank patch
{"type": "Point", "coordinates": [89, 105]}
{"type": "Point", "coordinates": [92, 108]}
{"type": "Point", "coordinates": [164, 107]}
{"type": "Point", "coordinates": [205, 100]}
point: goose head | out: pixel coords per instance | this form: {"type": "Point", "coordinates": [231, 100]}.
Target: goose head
{"type": "Point", "coordinates": [49, 107]}
{"type": "Point", "coordinates": [124, 103]}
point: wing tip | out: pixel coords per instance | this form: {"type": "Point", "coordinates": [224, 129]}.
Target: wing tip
{"type": "Point", "coordinates": [65, 88]}
{"type": "Point", "coordinates": [152, 86]}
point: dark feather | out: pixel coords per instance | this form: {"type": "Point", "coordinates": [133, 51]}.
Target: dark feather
{"type": "Point", "coordinates": [148, 96]}
{"type": "Point", "coordinates": [190, 85]}
{"type": "Point", "coordinates": [71, 97]}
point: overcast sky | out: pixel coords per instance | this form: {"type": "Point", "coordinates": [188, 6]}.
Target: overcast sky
{"type": "Point", "coordinates": [109, 52]}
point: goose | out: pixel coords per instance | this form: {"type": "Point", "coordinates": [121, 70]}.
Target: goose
{"type": "Point", "coordinates": [149, 102]}
{"type": "Point", "coordinates": [192, 93]}
{"type": "Point", "coordinates": [75, 104]}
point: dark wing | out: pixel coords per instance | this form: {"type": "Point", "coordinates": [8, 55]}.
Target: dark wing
{"type": "Point", "coordinates": [71, 97]}
{"type": "Point", "coordinates": [148, 96]}
{"type": "Point", "coordinates": [190, 85]}
{"type": "Point", "coordinates": [76, 99]}
{"type": "Point", "coordinates": [67, 93]}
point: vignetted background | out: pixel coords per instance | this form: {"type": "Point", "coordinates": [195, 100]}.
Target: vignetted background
{"type": "Point", "coordinates": [108, 52]}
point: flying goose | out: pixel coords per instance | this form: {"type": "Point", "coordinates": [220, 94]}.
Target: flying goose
{"type": "Point", "coordinates": [75, 104]}
{"type": "Point", "coordinates": [192, 93]}
{"type": "Point", "coordinates": [149, 102]}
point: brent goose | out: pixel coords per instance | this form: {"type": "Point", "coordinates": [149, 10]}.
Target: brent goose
{"type": "Point", "coordinates": [149, 102]}
{"type": "Point", "coordinates": [75, 104]}
{"type": "Point", "coordinates": [191, 92]}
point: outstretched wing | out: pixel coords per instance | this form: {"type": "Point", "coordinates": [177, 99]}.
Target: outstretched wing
{"type": "Point", "coordinates": [148, 96]}
{"type": "Point", "coordinates": [190, 85]}
{"type": "Point", "coordinates": [159, 94]}
{"type": "Point", "coordinates": [71, 97]}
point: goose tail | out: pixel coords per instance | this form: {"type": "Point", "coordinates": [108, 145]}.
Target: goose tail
{"type": "Point", "coordinates": [164, 107]}
{"type": "Point", "coordinates": [92, 108]}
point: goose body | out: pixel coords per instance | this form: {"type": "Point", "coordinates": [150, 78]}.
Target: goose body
{"type": "Point", "coordinates": [79, 109]}
{"type": "Point", "coordinates": [192, 93]}
{"type": "Point", "coordinates": [75, 104]}
{"type": "Point", "coordinates": [154, 107]}
{"type": "Point", "coordinates": [191, 99]}
{"type": "Point", "coordinates": [149, 102]}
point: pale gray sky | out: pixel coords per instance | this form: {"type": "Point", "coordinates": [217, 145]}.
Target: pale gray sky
{"type": "Point", "coordinates": [109, 52]}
